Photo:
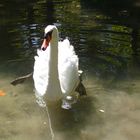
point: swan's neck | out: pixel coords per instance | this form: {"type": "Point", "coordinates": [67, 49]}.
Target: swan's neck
{"type": "Point", "coordinates": [53, 65]}
{"type": "Point", "coordinates": [54, 84]}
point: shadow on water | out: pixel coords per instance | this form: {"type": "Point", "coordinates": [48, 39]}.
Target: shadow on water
{"type": "Point", "coordinates": [69, 124]}
{"type": "Point", "coordinates": [122, 12]}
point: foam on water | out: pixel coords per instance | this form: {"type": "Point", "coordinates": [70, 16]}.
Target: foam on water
{"type": "Point", "coordinates": [39, 99]}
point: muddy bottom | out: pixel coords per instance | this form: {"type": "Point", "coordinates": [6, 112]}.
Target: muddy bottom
{"type": "Point", "coordinates": [107, 113]}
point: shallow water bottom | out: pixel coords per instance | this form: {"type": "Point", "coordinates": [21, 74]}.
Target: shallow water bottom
{"type": "Point", "coordinates": [105, 114]}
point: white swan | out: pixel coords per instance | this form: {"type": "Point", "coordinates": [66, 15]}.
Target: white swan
{"type": "Point", "coordinates": [55, 73]}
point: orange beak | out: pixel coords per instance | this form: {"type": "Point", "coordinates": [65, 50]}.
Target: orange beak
{"type": "Point", "coordinates": [45, 43]}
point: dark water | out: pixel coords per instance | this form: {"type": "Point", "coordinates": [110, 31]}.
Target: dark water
{"type": "Point", "coordinates": [106, 37]}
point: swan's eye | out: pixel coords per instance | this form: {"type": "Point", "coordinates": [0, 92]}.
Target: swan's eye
{"type": "Point", "coordinates": [48, 35]}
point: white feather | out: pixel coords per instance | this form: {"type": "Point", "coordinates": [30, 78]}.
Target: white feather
{"type": "Point", "coordinates": [67, 67]}
{"type": "Point", "coordinates": [63, 83]}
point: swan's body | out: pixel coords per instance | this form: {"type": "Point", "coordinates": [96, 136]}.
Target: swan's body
{"type": "Point", "coordinates": [56, 68]}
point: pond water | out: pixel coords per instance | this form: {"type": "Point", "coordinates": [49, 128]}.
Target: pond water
{"type": "Point", "coordinates": [107, 42]}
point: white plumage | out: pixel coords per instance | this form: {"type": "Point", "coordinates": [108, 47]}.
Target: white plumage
{"type": "Point", "coordinates": [56, 68]}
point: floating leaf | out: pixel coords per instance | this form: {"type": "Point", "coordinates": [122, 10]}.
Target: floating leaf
{"type": "Point", "coordinates": [2, 93]}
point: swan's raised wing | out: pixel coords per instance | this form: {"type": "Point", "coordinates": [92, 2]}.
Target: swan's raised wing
{"type": "Point", "coordinates": [40, 74]}
{"type": "Point", "coordinates": [67, 66]}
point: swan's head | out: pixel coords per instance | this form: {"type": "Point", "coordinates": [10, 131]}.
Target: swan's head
{"type": "Point", "coordinates": [50, 34]}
